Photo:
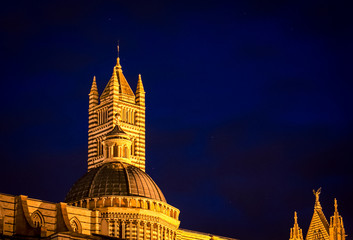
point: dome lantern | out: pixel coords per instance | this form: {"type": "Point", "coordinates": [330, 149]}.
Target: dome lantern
{"type": "Point", "coordinates": [117, 145]}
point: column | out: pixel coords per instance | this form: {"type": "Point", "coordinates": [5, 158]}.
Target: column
{"type": "Point", "coordinates": [158, 226]}
{"type": "Point", "coordinates": [123, 229]}
{"type": "Point", "coordinates": [130, 225]}
{"type": "Point", "coordinates": [151, 233]}
{"type": "Point", "coordinates": [144, 230]}
{"type": "Point", "coordinates": [115, 228]}
{"type": "Point", "coordinates": [137, 229]}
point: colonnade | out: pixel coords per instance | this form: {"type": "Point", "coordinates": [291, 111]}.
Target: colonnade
{"type": "Point", "coordinates": [128, 202]}
{"type": "Point", "coordinates": [136, 229]}
{"type": "Point", "coordinates": [102, 116]}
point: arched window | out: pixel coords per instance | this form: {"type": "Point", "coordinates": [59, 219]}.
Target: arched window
{"type": "Point", "coordinates": [148, 205]}
{"type": "Point", "coordinates": [100, 117]}
{"type": "Point", "coordinates": [101, 148]}
{"type": "Point", "coordinates": [37, 219]}
{"type": "Point", "coordinates": [98, 147]}
{"type": "Point", "coordinates": [76, 225]}
{"type": "Point", "coordinates": [107, 151]}
{"type": "Point", "coordinates": [104, 227]}
{"type": "Point", "coordinates": [126, 150]}
{"type": "Point", "coordinates": [135, 147]}
{"type": "Point", "coordinates": [115, 151]}
{"type": "Point", "coordinates": [132, 150]}
{"type": "Point", "coordinates": [123, 114]}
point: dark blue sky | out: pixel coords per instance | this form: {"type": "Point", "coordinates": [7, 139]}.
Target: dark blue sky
{"type": "Point", "coordinates": [249, 103]}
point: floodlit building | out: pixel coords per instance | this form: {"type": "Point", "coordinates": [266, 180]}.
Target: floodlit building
{"type": "Point", "coordinates": [319, 228]}
{"type": "Point", "coordinates": [116, 198]}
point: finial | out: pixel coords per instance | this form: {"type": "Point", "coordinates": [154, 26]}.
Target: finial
{"type": "Point", "coordinates": [336, 205]}
{"type": "Point", "coordinates": [295, 218]}
{"type": "Point", "coordinates": [140, 77]}
{"type": "Point", "coordinates": [118, 66]}
{"type": "Point", "coordinates": [317, 196]}
{"type": "Point", "coordinates": [118, 48]}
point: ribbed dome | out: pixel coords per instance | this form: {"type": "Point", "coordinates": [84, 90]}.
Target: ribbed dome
{"type": "Point", "coordinates": [115, 179]}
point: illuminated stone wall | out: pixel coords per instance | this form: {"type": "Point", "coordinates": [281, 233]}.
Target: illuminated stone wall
{"type": "Point", "coordinates": [24, 216]}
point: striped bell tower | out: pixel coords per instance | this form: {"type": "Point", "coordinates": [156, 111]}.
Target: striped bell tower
{"type": "Point", "coordinates": [116, 101]}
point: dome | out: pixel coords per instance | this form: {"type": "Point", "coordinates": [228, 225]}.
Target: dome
{"type": "Point", "coordinates": [115, 179]}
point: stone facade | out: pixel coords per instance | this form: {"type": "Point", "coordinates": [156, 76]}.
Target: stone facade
{"type": "Point", "coordinates": [23, 216]}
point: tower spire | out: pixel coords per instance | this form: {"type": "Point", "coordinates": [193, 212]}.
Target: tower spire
{"type": "Point", "coordinates": [93, 94]}
{"type": "Point", "coordinates": [118, 66]}
{"type": "Point", "coordinates": [337, 231]}
{"type": "Point", "coordinates": [94, 88]}
{"type": "Point", "coordinates": [140, 88]}
{"type": "Point", "coordinates": [118, 48]}
{"type": "Point", "coordinates": [296, 232]}
{"type": "Point", "coordinates": [295, 219]}
{"type": "Point", "coordinates": [319, 227]}
{"type": "Point", "coordinates": [140, 92]}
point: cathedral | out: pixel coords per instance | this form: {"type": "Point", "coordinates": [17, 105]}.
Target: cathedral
{"type": "Point", "coordinates": [116, 198]}
{"type": "Point", "coordinates": [319, 228]}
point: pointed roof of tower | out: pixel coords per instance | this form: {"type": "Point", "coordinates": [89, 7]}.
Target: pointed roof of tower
{"type": "Point", "coordinates": [336, 219]}
{"type": "Point", "coordinates": [118, 79]}
{"type": "Point", "coordinates": [296, 233]}
{"type": "Point", "coordinates": [140, 88]}
{"type": "Point", "coordinates": [319, 226]}
{"type": "Point", "coordinates": [94, 88]}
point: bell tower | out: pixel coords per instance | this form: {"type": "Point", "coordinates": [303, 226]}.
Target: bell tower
{"type": "Point", "coordinates": [116, 100]}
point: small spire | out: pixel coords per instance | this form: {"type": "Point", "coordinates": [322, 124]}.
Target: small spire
{"type": "Point", "coordinates": [336, 206]}
{"type": "Point", "coordinates": [140, 88]}
{"type": "Point", "coordinates": [295, 218]}
{"type": "Point", "coordinates": [94, 88]}
{"type": "Point", "coordinates": [296, 231]}
{"type": "Point", "coordinates": [115, 76]}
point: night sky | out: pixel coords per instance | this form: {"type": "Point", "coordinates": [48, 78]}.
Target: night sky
{"type": "Point", "coordinates": [249, 103]}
